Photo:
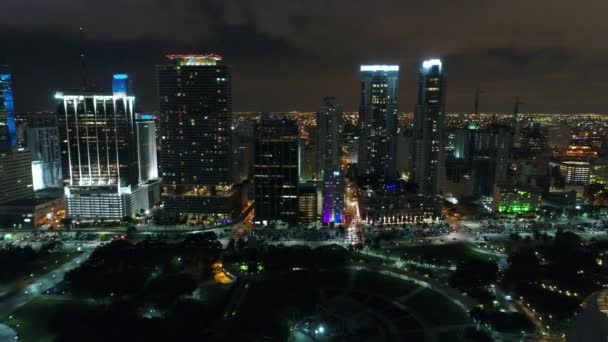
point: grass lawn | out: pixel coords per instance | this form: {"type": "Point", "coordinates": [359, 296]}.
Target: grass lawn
{"type": "Point", "coordinates": [35, 320]}
{"type": "Point", "coordinates": [383, 284]}
{"type": "Point", "coordinates": [436, 308]}
{"type": "Point", "coordinates": [42, 265]}
{"type": "Point", "coordinates": [452, 253]}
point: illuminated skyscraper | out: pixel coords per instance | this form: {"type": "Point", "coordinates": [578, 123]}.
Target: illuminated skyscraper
{"type": "Point", "coordinates": [122, 85]}
{"type": "Point", "coordinates": [196, 138]}
{"type": "Point", "coordinates": [276, 171]}
{"type": "Point", "coordinates": [429, 117]}
{"type": "Point", "coordinates": [146, 148]}
{"type": "Point", "coordinates": [8, 127]}
{"type": "Point", "coordinates": [378, 122]}
{"type": "Point", "coordinates": [329, 153]}
{"type": "Point", "coordinates": [99, 155]}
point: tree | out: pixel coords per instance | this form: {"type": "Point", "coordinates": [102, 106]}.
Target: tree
{"type": "Point", "coordinates": [231, 245]}
{"type": "Point", "coordinates": [167, 289]}
{"type": "Point", "coordinates": [241, 244]}
{"type": "Point", "coordinates": [474, 273]}
{"type": "Point", "coordinates": [67, 222]}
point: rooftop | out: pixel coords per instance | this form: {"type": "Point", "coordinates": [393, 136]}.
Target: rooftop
{"type": "Point", "coordinates": [195, 59]}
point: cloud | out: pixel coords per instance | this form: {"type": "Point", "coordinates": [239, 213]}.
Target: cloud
{"type": "Point", "coordinates": [288, 53]}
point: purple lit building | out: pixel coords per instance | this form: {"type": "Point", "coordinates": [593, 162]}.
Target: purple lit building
{"type": "Point", "coordinates": [329, 144]}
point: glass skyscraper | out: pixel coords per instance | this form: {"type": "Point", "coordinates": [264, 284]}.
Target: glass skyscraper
{"type": "Point", "coordinates": [8, 127]}
{"type": "Point", "coordinates": [196, 138]}
{"type": "Point", "coordinates": [429, 118]}
{"type": "Point", "coordinates": [276, 171]}
{"type": "Point", "coordinates": [378, 122]}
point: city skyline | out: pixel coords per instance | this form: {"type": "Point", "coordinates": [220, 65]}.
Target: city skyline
{"type": "Point", "coordinates": [498, 49]}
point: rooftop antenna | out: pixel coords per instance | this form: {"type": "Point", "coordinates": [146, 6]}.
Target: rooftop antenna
{"type": "Point", "coordinates": [83, 60]}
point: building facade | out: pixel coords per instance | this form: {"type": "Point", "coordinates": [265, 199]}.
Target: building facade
{"type": "Point", "coordinates": [8, 125]}
{"type": "Point", "coordinates": [329, 154]}
{"type": "Point", "coordinates": [43, 143]}
{"type": "Point", "coordinates": [99, 155]}
{"type": "Point", "coordinates": [429, 120]}
{"type": "Point", "coordinates": [378, 122]}
{"type": "Point", "coordinates": [276, 171]}
{"type": "Point", "coordinates": [16, 176]}
{"type": "Point", "coordinates": [196, 140]}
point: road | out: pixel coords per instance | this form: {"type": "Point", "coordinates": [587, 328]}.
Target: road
{"type": "Point", "coordinates": [39, 285]}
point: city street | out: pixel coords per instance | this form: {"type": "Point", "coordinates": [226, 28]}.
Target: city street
{"type": "Point", "coordinates": [38, 285]}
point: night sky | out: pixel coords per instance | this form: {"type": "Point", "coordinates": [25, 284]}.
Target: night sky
{"type": "Point", "coordinates": [287, 54]}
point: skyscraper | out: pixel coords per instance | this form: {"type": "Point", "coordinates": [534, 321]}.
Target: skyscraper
{"type": "Point", "coordinates": [99, 154]}
{"type": "Point", "coordinates": [16, 176]}
{"type": "Point", "coordinates": [196, 138]}
{"type": "Point", "coordinates": [122, 85]}
{"type": "Point", "coordinates": [146, 148]}
{"type": "Point", "coordinates": [429, 117]}
{"type": "Point", "coordinates": [329, 153]}
{"type": "Point", "coordinates": [8, 127]}
{"type": "Point", "coordinates": [276, 171]}
{"type": "Point", "coordinates": [43, 143]}
{"type": "Point", "coordinates": [378, 122]}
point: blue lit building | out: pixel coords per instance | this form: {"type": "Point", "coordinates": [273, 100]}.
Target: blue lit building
{"type": "Point", "coordinates": [122, 85]}
{"type": "Point", "coordinates": [8, 127]}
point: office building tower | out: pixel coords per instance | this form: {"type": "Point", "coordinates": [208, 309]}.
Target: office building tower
{"type": "Point", "coordinates": [16, 176]}
{"type": "Point", "coordinates": [146, 148]}
{"type": "Point", "coordinates": [329, 154]}
{"type": "Point", "coordinates": [99, 155]}
{"type": "Point", "coordinates": [8, 126]}
{"type": "Point", "coordinates": [496, 143]}
{"type": "Point", "coordinates": [196, 140]}
{"type": "Point", "coordinates": [378, 122]}
{"type": "Point", "coordinates": [308, 202]}
{"type": "Point", "coordinates": [276, 171]}
{"type": "Point", "coordinates": [429, 117]}
{"type": "Point", "coordinates": [243, 147]}
{"type": "Point", "coordinates": [122, 85]}
{"type": "Point", "coordinates": [41, 137]}
{"type": "Point", "coordinates": [43, 143]}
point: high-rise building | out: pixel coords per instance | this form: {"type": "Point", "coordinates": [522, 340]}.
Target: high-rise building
{"type": "Point", "coordinates": [308, 202]}
{"type": "Point", "coordinates": [329, 154]}
{"type": "Point", "coordinates": [429, 117]}
{"type": "Point", "coordinates": [145, 129]}
{"type": "Point", "coordinates": [8, 126]}
{"type": "Point", "coordinates": [42, 139]}
{"type": "Point", "coordinates": [495, 142]}
{"type": "Point", "coordinates": [122, 85]}
{"type": "Point", "coordinates": [276, 171]}
{"type": "Point", "coordinates": [99, 155]}
{"type": "Point", "coordinates": [196, 138]}
{"type": "Point", "coordinates": [16, 176]}
{"type": "Point", "coordinates": [378, 122]}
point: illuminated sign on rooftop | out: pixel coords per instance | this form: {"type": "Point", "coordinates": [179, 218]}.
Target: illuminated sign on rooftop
{"type": "Point", "coordinates": [195, 59]}
{"type": "Point", "coordinates": [121, 76]}
{"type": "Point", "coordinates": [379, 68]}
{"type": "Point", "coordinates": [429, 63]}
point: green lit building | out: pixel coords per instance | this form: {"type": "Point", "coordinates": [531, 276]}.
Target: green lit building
{"type": "Point", "coordinates": [516, 200]}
